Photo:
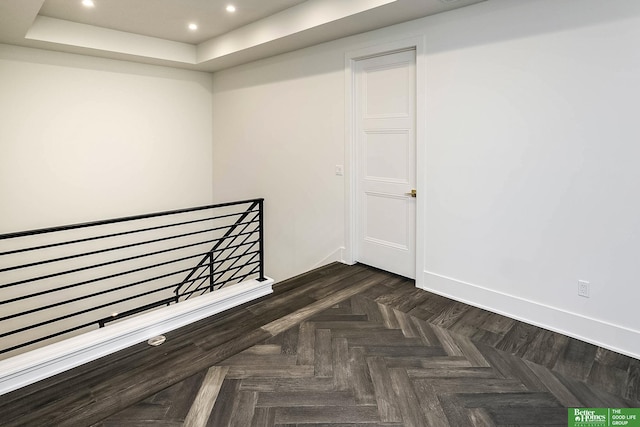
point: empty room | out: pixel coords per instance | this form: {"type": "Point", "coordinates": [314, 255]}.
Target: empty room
{"type": "Point", "coordinates": [196, 221]}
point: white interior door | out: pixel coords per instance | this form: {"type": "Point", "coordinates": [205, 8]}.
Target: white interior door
{"type": "Point", "coordinates": [385, 105]}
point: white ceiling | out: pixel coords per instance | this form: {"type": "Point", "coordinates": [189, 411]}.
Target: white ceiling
{"type": "Point", "coordinates": [167, 19]}
{"type": "Point", "coordinates": [155, 31]}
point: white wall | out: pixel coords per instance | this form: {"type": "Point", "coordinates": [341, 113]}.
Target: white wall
{"type": "Point", "coordinates": [532, 162]}
{"type": "Point", "coordinates": [532, 152]}
{"type": "Point", "coordinates": [84, 138]}
{"type": "Point", "coordinates": [278, 129]}
{"type": "Point", "coordinates": [533, 159]}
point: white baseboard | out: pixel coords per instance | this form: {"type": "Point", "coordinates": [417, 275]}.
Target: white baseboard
{"type": "Point", "coordinates": [44, 362]}
{"type": "Point", "coordinates": [613, 337]}
{"type": "Point", "coordinates": [335, 256]}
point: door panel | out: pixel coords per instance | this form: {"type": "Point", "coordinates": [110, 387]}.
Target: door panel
{"type": "Point", "coordinates": [386, 88]}
{"type": "Point", "coordinates": [388, 156]}
{"type": "Point", "coordinates": [386, 159]}
{"type": "Point", "coordinates": [385, 220]}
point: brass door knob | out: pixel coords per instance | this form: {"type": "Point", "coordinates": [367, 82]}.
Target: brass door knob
{"type": "Point", "coordinates": [412, 193]}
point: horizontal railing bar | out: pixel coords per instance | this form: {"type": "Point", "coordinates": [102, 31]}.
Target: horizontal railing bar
{"type": "Point", "coordinates": [235, 246]}
{"type": "Point", "coordinates": [240, 245]}
{"type": "Point", "coordinates": [239, 268]}
{"type": "Point", "coordinates": [111, 276]}
{"type": "Point", "coordinates": [249, 247]}
{"type": "Point", "coordinates": [189, 294]}
{"type": "Point", "coordinates": [202, 280]}
{"type": "Point", "coordinates": [122, 219]}
{"type": "Point", "coordinates": [199, 265]}
{"type": "Point", "coordinates": [256, 270]}
{"type": "Point", "coordinates": [95, 294]}
{"type": "Point", "coordinates": [232, 241]}
{"type": "Point", "coordinates": [48, 291]}
{"type": "Point", "coordinates": [219, 285]}
{"type": "Point", "coordinates": [37, 340]}
{"type": "Point", "coordinates": [88, 310]}
{"type": "Point", "coordinates": [221, 272]}
{"type": "Point", "coordinates": [111, 263]}
{"type": "Point", "coordinates": [237, 257]}
{"type": "Point", "coordinates": [196, 279]}
{"type": "Point", "coordinates": [243, 216]}
{"type": "Point", "coordinates": [231, 231]}
{"type": "Point", "coordinates": [203, 262]}
{"type": "Point", "coordinates": [97, 279]}
{"type": "Point", "coordinates": [124, 233]}
{"type": "Point", "coordinates": [205, 266]}
{"type": "Point", "coordinates": [95, 253]}
{"type": "Point", "coordinates": [119, 316]}
{"type": "Point", "coordinates": [66, 331]}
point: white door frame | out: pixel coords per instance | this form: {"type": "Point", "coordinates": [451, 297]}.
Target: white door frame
{"type": "Point", "coordinates": [418, 43]}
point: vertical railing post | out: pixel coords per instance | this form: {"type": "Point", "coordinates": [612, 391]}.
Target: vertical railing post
{"type": "Point", "coordinates": [261, 238]}
{"type": "Point", "coordinates": [211, 272]}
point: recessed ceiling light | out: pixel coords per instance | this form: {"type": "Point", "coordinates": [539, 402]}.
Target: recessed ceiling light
{"type": "Point", "coordinates": [88, 3]}
{"type": "Point", "coordinates": [193, 26]}
{"type": "Point", "coordinates": [231, 8]}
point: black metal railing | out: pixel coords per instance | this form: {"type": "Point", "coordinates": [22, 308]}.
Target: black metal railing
{"type": "Point", "coordinates": [63, 280]}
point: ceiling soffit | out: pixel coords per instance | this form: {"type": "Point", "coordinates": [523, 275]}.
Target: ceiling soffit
{"type": "Point", "coordinates": [285, 25]}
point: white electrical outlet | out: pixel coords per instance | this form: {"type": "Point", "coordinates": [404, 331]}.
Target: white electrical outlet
{"type": "Point", "coordinates": [583, 288]}
{"type": "Point", "coordinates": [339, 170]}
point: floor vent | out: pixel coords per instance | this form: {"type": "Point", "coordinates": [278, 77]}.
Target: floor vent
{"type": "Point", "coordinates": [156, 341]}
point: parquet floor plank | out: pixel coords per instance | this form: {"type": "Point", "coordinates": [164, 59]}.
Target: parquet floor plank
{"type": "Point", "coordinates": [359, 377]}
{"type": "Point", "coordinates": [206, 397]}
{"type": "Point", "coordinates": [576, 360]}
{"type": "Point", "coordinates": [387, 406]}
{"type": "Point", "coordinates": [406, 398]}
{"type": "Point", "coordinates": [339, 346]}
{"type": "Point", "coordinates": [323, 361]}
{"type": "Point", "coordinates": [223, 406]}
{"type": "Point", "coordinates": [480, 417]}
{"type": "Point", "coordinates": [632, 382]}
{"type": "Point", "coordinates": [518, 338]}
{"type": "Point", "coordinates": [340, 358]}
{"type": "Point", "coordinates": [555, 387]}
{"type": "Point", "coordinates": [430, 405]}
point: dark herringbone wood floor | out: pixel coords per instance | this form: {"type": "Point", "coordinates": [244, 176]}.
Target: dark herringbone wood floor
{"type": "Point", "coordinates": [339, 346]}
